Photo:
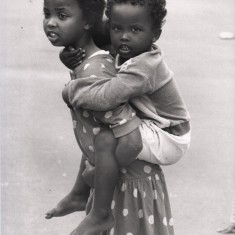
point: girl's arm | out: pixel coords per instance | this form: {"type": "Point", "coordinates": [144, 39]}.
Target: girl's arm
{"type": "Point", "coordinates": [80, 186]}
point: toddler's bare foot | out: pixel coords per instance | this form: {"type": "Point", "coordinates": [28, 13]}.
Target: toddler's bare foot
{"type": "Point", "coordinates": [93, 225]}
{"type": "Point", "coordinates": [71, 203]}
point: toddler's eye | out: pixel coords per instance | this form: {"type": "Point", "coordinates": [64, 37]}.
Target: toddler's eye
{"type": "Point", "coordinates": [135, 29]}
{"type": "Point", "coordinates": [62, 16]}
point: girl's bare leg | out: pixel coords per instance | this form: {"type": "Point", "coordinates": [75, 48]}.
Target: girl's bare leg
{"type": "Point", "coordinates": [76, 200]}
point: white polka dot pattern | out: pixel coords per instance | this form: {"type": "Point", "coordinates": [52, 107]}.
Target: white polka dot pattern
{"type": "Point", "coordinates": [151, 219]}
{"type": "Point", "coordinates": [112, 231]}
{"type": "Point", "coordinates": [112, 204]}
{"type": "Point", "coordinates": [147, 169]}
{"type": "Point", "coordinates": [123, 187]}
{"type": "Point", "coordinates": [84, 130]}
{"type": "Point", "coordinates": [91, 148]}
{"type": "Point", "coordinates": [96, 130]}
{"type": "Point", "coordinates": [164, 221]}
{"type": "Point", "coordinates": [86, 66]}
{"type": "Point", "coordinates": [108, 114]}
{"type": "Point", "coordinates": [85, 114]}
{"type": "Point", "coordinates": [125, 212]}
{"type": "Point", "coordinates": [155, 194]}
{"type": "Point", "coordinates": [135, 193]}
{"type": "Point", "coordinates": [171, 222]}
{"type": "Point", "coordinates": [157, 177]}
{"type": "Point", "coordinates": [141, 214]}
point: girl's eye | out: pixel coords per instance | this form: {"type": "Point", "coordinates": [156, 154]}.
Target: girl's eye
{"type": "Point", "coordinates": [115, 28]}
{"type": "Point", "coordinates": [46, 14]}
{"type": "Point", "coordinates": [62, 16]}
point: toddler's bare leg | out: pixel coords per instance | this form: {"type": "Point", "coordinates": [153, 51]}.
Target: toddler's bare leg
{"type": "Point", "coordinates": [76, 200]}
{"type": "Point", "coordinates": [100, 217]}
{"type": "Point", "coordinates": [129, 146]}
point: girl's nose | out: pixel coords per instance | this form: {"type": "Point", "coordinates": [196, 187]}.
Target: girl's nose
{"type": "Point", "coordinates": [51, 22]}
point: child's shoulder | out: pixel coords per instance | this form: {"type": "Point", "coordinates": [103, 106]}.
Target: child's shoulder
{"type": "Point", "coordinates": [98, 64]}
{"type": "Point", "coordinates": [148, 59]}
{"type": "Point", "coordinates": [154, 53]}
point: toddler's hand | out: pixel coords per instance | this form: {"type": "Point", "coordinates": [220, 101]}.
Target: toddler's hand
{"type": "Point", "coordinates": [71, 58]}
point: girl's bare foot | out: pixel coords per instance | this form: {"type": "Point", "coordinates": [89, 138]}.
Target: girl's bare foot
{"type": "Point", "coordinates": [229, 230]}
{"type": "Point", "coordinates": [94, 225]}
{"type": "Point", "coordinates": [71, 203]}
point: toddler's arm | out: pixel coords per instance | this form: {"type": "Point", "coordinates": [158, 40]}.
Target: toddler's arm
{"type": "Point", "coordinates": [136, 78]}
{"type": "Point", "coordinates": [72, 58]}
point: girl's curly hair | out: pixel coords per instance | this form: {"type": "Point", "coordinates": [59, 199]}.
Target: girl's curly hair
{"type": "Point", "coordinates": [157, 9]}
{"type": "Point", "coordinates": [93, 10]}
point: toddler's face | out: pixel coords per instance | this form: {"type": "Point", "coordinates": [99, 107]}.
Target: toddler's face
{"type": "Point", "coordinates": [131, 29]}
{"type": "Point", "coordinates": [63, 22]}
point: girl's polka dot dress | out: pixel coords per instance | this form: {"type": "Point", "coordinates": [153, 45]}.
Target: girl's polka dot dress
{"type": "Point", "coordinates": [140, 204]}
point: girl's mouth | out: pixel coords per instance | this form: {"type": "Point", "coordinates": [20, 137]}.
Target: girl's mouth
{"type": "Point", "coordinates": [52, 36]}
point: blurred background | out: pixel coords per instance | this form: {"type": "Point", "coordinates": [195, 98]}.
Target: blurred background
{"type": "Point", "coordinates": [39, 154]}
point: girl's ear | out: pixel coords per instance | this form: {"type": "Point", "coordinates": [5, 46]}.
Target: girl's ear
{"type": "Point", "coordinates": [157, 34]}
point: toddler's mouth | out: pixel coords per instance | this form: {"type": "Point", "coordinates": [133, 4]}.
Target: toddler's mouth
{"type": "Point", "coordinates": [124, 49]}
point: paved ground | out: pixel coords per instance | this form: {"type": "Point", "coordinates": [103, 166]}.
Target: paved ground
{"type": "Point", "coordinates": [39, 155]}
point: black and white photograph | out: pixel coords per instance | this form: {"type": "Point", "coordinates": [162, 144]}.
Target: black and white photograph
{"type": "Point", "coordinates": [117, 117]}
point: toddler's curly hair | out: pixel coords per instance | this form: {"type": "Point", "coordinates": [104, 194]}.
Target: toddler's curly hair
{"type": "Point", "coordinates": [157, 9]}
{"type": "Point", "coordinates": [93, 10]}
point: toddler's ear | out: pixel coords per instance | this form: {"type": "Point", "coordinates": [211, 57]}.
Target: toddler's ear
{"type": "Point", "coordinates": [88, 26]}
{"type": "Point", "coordinates": [157, 34]}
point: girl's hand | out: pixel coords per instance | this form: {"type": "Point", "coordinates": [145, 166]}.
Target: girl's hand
{"type": "Point", "coordinates": [71, 57]}
{"type": "Point", "coordinates": [89, 174]}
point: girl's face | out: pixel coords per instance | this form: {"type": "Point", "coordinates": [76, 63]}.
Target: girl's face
{"type": "Point", "coordinates": [131, 30]}
{"type": "Point", "coordinates": [63, 22]}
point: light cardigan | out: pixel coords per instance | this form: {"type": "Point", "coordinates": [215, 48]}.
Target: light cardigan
{"type": "Point", "coordinates": [146, 76]}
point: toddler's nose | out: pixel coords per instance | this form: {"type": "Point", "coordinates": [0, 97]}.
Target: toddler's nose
{"type": "Point", "coordinates": [125, 37]}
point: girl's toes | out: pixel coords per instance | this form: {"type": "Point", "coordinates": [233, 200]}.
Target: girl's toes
{"type": "Point", "coordinates": [49, 214]}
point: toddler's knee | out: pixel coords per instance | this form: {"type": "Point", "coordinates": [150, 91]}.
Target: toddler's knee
{"type": "Point", "coordinates": [130, 144]}
{"type": "Point", "coordinates": [127, 151]}
{"type": "Point", "coordinates": [105, 140]}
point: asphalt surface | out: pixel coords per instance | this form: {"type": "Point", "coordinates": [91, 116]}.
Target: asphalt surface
{"type": "Point", "coordinates": [39, 155]}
